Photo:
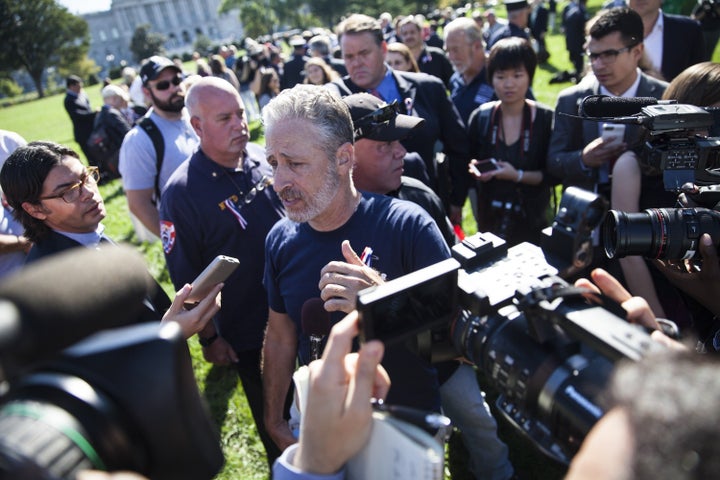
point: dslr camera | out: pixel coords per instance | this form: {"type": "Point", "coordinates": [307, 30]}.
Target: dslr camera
{"type": "Point", "coordinates": [85, 387]}
{"type": "Point", "coordinates": [542, 344]}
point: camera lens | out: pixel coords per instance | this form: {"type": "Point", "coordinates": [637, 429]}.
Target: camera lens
{"type": "Point", "coordinates": [664, 233]}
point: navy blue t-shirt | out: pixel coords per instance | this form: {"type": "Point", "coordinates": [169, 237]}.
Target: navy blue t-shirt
{"type": "Point", "coordinates": [404, 238]}
{"type": "Point", "coordinates": [204, 213]}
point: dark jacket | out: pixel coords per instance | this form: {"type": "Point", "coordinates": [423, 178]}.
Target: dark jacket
{"type": "Point", "coordinates": [82, 116]}
{"type": "Point", "coordinates": [571, 135]}
{"type": "Point", "coordinates": [683, 45]}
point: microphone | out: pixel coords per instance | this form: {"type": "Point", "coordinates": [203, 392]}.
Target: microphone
{"type": "Point", "coordinates": [315, 322]}
{"type": "Point", "coordinates": [608, 107]}
{"type": "Point", "coordinates": [52, 304]}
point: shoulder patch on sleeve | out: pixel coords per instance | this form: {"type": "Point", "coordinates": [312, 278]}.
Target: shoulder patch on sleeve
{"type": "Point", "coordinates": [167, 235]}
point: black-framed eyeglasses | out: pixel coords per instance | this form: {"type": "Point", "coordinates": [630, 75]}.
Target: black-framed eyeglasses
{"type": "Point", "coordinates": [364, 125]}
{"type": "Point", "coordinates": [90, 177]}
{"type": "Point", "coordinates": [608, 56]}
{"type": "Point", "coordinates": [165, 84]}
{"type": "Point", "coordinates": [259, 187]}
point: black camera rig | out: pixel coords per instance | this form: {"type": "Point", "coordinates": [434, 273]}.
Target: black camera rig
{"type": "Point", "coordinates": [542, 344]}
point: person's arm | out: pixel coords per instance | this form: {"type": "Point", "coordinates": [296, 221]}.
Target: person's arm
{"type": "Point", "coordinates": [338, 416]}
{"type": "Point", "coordinates": [278, 364]}
{"type": "Point", "coordinates": [140, 203]}
{"type": "Point", "coordinates": [14, 243]}
{"type": "Point", "coordinates": [625, 196]}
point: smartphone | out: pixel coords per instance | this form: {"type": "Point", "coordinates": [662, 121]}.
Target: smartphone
{"type": "Point", "coordinates": [484, 166]}
{"type": "Point", "coordinates": [613, 133]}
{"type": "Point", "coordinates": [218, 271]}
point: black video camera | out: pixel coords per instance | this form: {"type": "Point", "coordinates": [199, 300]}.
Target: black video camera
{"type": "Point", "coordinates": [121, 396]}
{"type": "Point", "coordinates": [672, 145]}
{"type": "Point", "coordinates": [539, 341]}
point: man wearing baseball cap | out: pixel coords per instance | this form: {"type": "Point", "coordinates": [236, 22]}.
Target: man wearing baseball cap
{"type": "Point", "coordinates": [144, 171]}
{"type": "Point", "coordinates": [379, 158]}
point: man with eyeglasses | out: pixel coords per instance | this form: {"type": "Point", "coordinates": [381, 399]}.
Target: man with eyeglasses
{"type": "Point", "coordinates": [144, 172]}
{"type": "Point", "coordinates": [56, 198]}
{"type": "Point", "coordinates": [221, 202]}
{"type": "Point", "coordinates": [578, 154]}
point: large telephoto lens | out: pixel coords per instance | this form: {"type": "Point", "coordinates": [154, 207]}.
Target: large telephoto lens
{"type": "Point", "coordinates": [664, 233]}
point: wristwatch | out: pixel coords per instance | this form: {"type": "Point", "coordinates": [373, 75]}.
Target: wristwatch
{"type": "Point", "coordinates": [207, 341]}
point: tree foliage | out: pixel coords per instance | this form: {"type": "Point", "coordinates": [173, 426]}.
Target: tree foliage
{"type": "Point", "coordinates": [37, 34]}
{"type": "Point", "coordinates": [145, 43]}
{"type": "Point", "coordinates": [260, 17]}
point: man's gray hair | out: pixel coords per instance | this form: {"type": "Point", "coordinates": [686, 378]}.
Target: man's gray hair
{"type": "Point", "coordinates": [472, 31]}
{"type": "Point", "coordinates": [317, 105]}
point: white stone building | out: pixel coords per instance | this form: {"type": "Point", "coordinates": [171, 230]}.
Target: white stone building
{"type": "Point", "coordinates": [181, 21]}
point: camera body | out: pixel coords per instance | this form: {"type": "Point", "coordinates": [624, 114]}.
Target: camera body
{"type": "Point", "coordinates": [546, 349]}
{"type": "Point", "coordinates": [673, 146]}
{"type": "Point", "coordinates": [83, 385]}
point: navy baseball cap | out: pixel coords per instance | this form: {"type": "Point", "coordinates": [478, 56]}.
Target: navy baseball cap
{"type": "Point", "coordinates": [154, 65]}
{"type": "Point", "coordinates": [374, 119]}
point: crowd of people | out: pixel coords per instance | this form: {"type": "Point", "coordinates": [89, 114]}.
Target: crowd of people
{"type": "Point", "coordinates": [376, 136]}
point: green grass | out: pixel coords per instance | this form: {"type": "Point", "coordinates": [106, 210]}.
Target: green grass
{"type": "Point", "coordinates": [46, 119]}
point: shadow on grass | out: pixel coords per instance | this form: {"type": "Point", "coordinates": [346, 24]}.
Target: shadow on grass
{"type": "Point", "coordinates": [220, 385]}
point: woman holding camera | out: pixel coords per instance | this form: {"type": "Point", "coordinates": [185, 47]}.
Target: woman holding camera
{"type": "Point", "coordinates": [509, 139]}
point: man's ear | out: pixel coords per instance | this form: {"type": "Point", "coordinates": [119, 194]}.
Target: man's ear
{"type": "Point", "coordinates": [197, 125]}
{"type": "Point", "coordinates": [35, 210]}
{"type": "Point", "coordinates": [345, 156]}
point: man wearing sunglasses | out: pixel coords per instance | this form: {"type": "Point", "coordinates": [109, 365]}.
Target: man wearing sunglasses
{"type": "Point", "coordinates": [221, 202]}
{"type": "Point", "coordinates": [379, 163]}
{"type": "Point", "coordinates": [144, 172]}
{"type": "Point", "coordinates": [420, 95]}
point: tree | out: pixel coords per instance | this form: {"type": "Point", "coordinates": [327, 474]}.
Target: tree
{"type": "Point", "coordinates": [37, 34]}
{"type": "Point", "coordinates": [260, 17]}
{"type": "Point", "coordinates": [145, 43]}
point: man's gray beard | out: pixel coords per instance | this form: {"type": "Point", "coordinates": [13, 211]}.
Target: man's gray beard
{"type": "Point", "coordinates": [321, 201]}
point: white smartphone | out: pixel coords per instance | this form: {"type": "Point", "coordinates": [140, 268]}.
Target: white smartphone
{"type": "Point", "coordinates": [484, 166]}
{"type": "Point", "coordinates": [218, 271]}
{"type": "Point", "coordinates": [613, 133]}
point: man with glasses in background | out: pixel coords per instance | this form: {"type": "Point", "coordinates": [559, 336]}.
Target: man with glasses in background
{"type": "Point", "coordinates": [144, 171]}
{"type": "Point", "coordinates": [221, 202]}
{"type": "Point", "coordinates": [578, 154]}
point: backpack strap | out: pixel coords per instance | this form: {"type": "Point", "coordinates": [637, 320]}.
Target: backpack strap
{"type": "Point", "coordinates": [157, 139]}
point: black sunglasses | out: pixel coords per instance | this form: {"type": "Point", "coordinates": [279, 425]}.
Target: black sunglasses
{"type": "Point", "coordinates": [165, 84]}
{"type": "Point", "coordinates": [364, 125]}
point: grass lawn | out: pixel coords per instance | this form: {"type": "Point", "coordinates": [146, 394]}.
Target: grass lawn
{"type": "Point", "coordinates": [46, 119]}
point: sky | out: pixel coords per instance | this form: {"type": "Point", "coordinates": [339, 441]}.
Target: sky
{"type": "Point", "coordinates": [85, 6]}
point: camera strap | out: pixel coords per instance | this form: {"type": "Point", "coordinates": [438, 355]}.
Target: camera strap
{"type": "Point", "coordinates": [497, 133]}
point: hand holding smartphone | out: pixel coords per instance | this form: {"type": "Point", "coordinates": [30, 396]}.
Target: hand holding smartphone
{"type": "Point", "coordinates": [484, 166]}
{"type": "Point", "coordinates": [612, 133]}
{"type": "Point", "coordinates": [217, 272]}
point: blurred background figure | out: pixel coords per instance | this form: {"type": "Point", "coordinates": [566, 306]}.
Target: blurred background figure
{"type": "Point", "coordinates": [269, 87]}
{"type": "Point", "coordinates": [399, 57]}
{"type": "Point", "coordinates": [317, 72]}
{"type": "Point", "coordinates": [13, 245]}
